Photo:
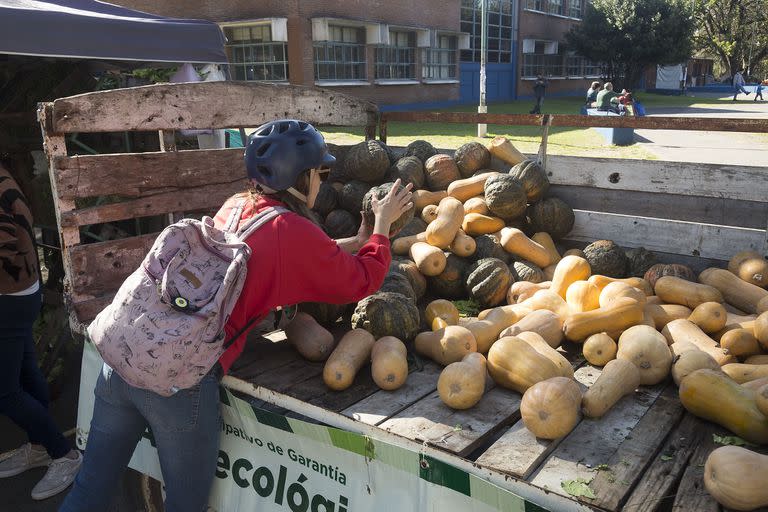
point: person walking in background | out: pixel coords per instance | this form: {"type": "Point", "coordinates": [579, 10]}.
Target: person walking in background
{"type": "Point", "coordinates": [539, 87]}
{"type": "Point", "coordinates": [759, 91]}
{"type": "Point", "coordinates": [738, 84]}
{"type": "Point", "coordinates": [23, 388]}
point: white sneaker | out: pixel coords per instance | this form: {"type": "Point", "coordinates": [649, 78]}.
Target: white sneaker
{"type": "Point", "coordinates": [61, 473]}
{"type": "Point", "coordinates": [22, 459]}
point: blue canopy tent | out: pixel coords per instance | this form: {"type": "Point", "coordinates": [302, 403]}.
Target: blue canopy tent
{"type": "Point", "coordinates": [88, 29]}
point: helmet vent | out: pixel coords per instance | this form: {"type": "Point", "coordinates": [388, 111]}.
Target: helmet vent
{"type": "Point", "coordinates": [265, 171]}
{"type": "Point", "coordinates": [301, 142]}
{"type": "Point", "coordinates": [303, 125]}
{"type": "Point", "coordinates": [263, 149]}
{"type": "Point", "coordinates": [283, 127]}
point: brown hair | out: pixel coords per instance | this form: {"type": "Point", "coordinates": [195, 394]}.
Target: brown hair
{"type": "Point", "coordinates": [290, 201]}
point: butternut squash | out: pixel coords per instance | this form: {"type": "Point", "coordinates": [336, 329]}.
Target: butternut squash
{"type": "Point", "coordinates": [515, 242]}
{"type": "Point", "coordinates": [582, 296]}
{"type": "Point", "coordinates": [654, 299]}
{"type": "Point", "coordinates": [486, 331]}
{"type": "Point", "coordinates": [709, 316]}
{"type": "Point", "coordinates": [430, 260]}
{"type": "Point", "coordinates": [476, 205]}
{"type": "Point", "coordinates": [422, 198]}
{"type": "Point", "coordinates": [447, 345]}
{"type": "Point", "coordinates": [762, 306]}
{"type": "Point", "coordinates": [462, 384]}
{"type": "Point", "coordinates": [469, 187]}
{"type": "Point", "coordinates": [540, 344]}
{"type": "Point", "coordinates": [740, 342]}
{"type": "Point", "coordinates": [741, 372]}
{"type": "Point", "coordinates": [550, 408]}
{"type": "Point", "coordinates": [618, 379]}
{"type": "Point", "coordinates": [690, 361]}
{"type": "Point", "coordinates": [735, 324]}
{"type": "Point", "coordinates": [574, 252]}
{"type": "Point", "coordinates": [516, 365]}
{"type": "Point", "coordinates": [310, 339]}
{"type": "Point", "coordinates": [750, 266]}
{"type": "Point", "coordinates": [429, 213]}
{"type": "Point", "coordinates": [647, 349]}
{"type": "Point", "coordinates": [543, 239]}
{"type": "Point", "coordinates": [675, 290]}
{"type": "Point", "coordinates": [543, 322]}
{"type": "Point", "coordinates": [569, 270]}
{"type": "Point", "coordinates": [736, 292]}
{"type": "Point", "coordinates": [621, 314]}
{"type": "Point", "coordinates": [760, 329]}
{"type": "Point", "coordinates": [735, 477]}
{"type": "Point", "coordinates": [389, 366]}
{"type": "Point", "coordinates": [402, 245]}
{"type": "Point", "coordinates": [761, 399]}
{"type": "Point", "coordinates": [685, 331]}
{"type": "Point", "coordinates": [502, 148]}
{"type": "Point", "coordinates": [547, 299]}
{"type": "Point", "coordinates": [441, 313]}
{"type": "Point", "coordinates": [352, 352]}
{"type": "Point", "coordinates": [599, 349]}
{"type": "Point", "coordinates": [636, 282]}
{"type": "Point", "coordinates": [523, 290]}
{"type": "Point", "coordinates": [758, 359]}
{"type": "Point", "coordinates": [549, 272]}
{"type": "Point", "coordinates": [619, 289]}
{"type": "Point", "coordinates": [463, 245]}
{"type": "Point", "coordinates": [714, 396]}
{"type": "Point", "coordinates": [475, 224]}
{"type": "Point", "coordinates": [442, 230]}
{"type": "Point", "coordinates": [756, 384]}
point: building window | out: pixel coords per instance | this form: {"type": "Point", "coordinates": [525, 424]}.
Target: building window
{"type": "Point", "coordinates": [555, 7]}
{"type": "Point", "coordinates": [534, 5]}
{"type": "Point", "coordinates": [574, 8]}
{"type": "Point", "coordinates": [343, 56]}
{"type": "Point", "coordinates": [542, 60]}
{"type": "Point", "coordinates": [592, 69]}
{"type": "Point", "coordinates": [501, 17]}
{"type": "Point", "coordinates": [440, 62]}
{"type": "Point", "coordinates": [397, 61]}
{"type": "Point", "coordinates": [579, 67]}
{"type": "Point", "coordinates": [254, 56]}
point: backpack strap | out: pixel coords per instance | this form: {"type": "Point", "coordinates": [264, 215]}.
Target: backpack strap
{"type": "Point", "coordinates": [234, 217]}
{"type": "Point", "coordinates": [259, 220]}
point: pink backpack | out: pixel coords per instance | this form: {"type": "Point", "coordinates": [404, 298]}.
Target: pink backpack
{"type": "Point", "coordinates": [164, 330]}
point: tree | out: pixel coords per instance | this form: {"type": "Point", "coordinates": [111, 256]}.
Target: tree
{"type": "Point", "coordinates": [736, 31]}
{"type": "Point", "coordinates": [627, 36]}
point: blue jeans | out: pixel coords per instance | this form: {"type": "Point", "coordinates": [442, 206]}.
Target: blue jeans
{"type": "Point", "coordinates": [738, 89]}
{"type": "Point", "coordinates": [23, 389]}
{"type": "Point", "coordinates": [185, 427]}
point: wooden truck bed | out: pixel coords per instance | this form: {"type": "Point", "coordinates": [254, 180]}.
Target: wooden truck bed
{"type": "Point", "coordinates": [645, 454]}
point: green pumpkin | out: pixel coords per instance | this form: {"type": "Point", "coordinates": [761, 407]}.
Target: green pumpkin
{"type": "Point", "coordinates": [533, 178]}
{"type": "Point", "coordinates": [341, 224]}
{"type": "Point", "coordinates": [606, 259]}
{"type": "Point", "coordinates": [326, 200]}
{"type": "Point", "coordinates": [526, 271]}
{"type": "Point", "coordinates": [396, 282]}
{"type": "Point", "coordinates": [488, 281]}
{"type": "Point", "coordinates": [408, 169]}
{"type": "Point", "coordinates": [387, 314]}
{"type": "Point", "coordinates": [414, 226]}
{"type": "Point", "coordinates": [421, 149]}
{"type": "Point", "coordinates": [449, 284]}
{"type": "Point", "coordinates": [325, 314]}
{"type": "Point", "coordinates": [488, 246]}
{"type": "Point", "coordinates": [440, 171]}
{"type": "Point", "coordinates": [551, 215]}
{"type": "Point", "coordinates": [379, 192]}
{"type": "Point", "coordinates": [367, 161]}
{"type": "Point", "coordinates": [409, 269]}
{"type": "Point", "coordinates": [505, 197]}
{"type": "Point", "coordinates": [639, 260]}
{"type": "Point", "coordinates": [352, 194]}
{"type": "Point", "coordinates": [471, 157]}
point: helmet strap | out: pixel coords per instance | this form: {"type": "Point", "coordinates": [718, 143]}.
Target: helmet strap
{"type": "Point", "coordinates": [298, 195]}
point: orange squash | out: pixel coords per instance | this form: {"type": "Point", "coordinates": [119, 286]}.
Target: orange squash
{"type": "Point", "coordinates": [476, 205]}
{"type": "Point", "coordinates": [486, 331]}
{"type": "Point", "coordinates": [735, 477]}
{"type": "Point", "coordinates": [619, 289]}
{"type": "Point", "coordinates": [540, 344]}
{"type": "Point", "coordinates": [543, 322]}
{"type": "Point", "coordinates": [569, 270]}
{"type": "Point", "coordinates": [402, 245]}
{"type": "Point", "coordinates": [462, 384]}
{"type": "Point", "coordinates": [547, 299]}
{"type": "Point", "coordinates": [761, 399]}
{"type": "Point", "coordinates": [389, 366]}
{"type": "Point", "coordinates": [674, 290]}
{"type": "Point", "coordinates": [442, 230]}
{"type": "Point", "coordinates": [582, 296]}
{"type": "Point", "coordinates": [750, 266]}
{"type": "Point", "coordinates": [468, 188]}
{"type": "Point", "coordinates": [736, 292]}
{"type": "Point", "coordinates": [429, 259]}
{"type": "Point", "coordinates": [463, 245]}
{"type": "Point", "coordinates": [599, 349]}
{"type": "Point", "coordinates": [515, 242]}
{"type": "Point", "coordinates": [475, 224]}
{"type": "Point", "coordinates": [524, 290]}
{"type": "Point", "coordinates": [310, 339]}
{"type": "Point", "coordinates": [685, 331]}
{"type": "Point", "coordinates": [441, 313]}
{"type": "Point", "coordinates": [740, 343]}
{"type": "Point", "coordinates": [621, 314]}
{"type": "Point", "coordinates": [550, 408]}
{"type": "Point", "coordinates": [760, 329]}
{"type": "Point", "coordinates": [447, 345]}
{"type": "Point", "coordinates": [428, 214]}
{"type": "Point", "coordinates": [647, 349]}
{"type": "Point", "coordinates": [543, 239]}
{"type": "Point", "coordinates": [742, 373]}
{"type": "Point", "coordinates": [618, 379]}
{"type": "Point", "coordinates": [758, 359]}
{"type": "Point", "coordinates": [516, 365]}
{"type": "Point", "coordinates": [422, 198]}
{"type": "Point", "coordinates": [689, 361]}
{"type": "Point", "coordinates": [502, 148]}
{"type": "Point", "coordinates": [636, 282]}
{"type": "Point", "coordinates": [352, 352]}
{"type": "Point", "coordinates": [709, 316]}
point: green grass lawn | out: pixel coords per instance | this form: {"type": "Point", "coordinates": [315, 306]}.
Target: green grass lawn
{"type": "Point", "coordinates": [562, 140]}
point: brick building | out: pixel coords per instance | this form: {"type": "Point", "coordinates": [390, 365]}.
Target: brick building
{"type": "Point", "coordinates": [386, 51]}
{"type": "Point", "coordinates": [543, 49]}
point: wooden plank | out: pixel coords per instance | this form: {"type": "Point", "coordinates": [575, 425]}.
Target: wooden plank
{"type": "Point", "coordinates": [709, 180]}
{"type": "Point", "coordinates": [86, 310]}
{"type": "Point", "coordinates": [314, 391]}
{"type": "Point", "coordinates": [646, 122]}
{"type": "Point", "coordinates": [383, 404]}
{"type": "Point", "coordinates": [205, 105]}
{"type": "Point", "coordinates": [145, 174]}
{"type": "Point", "coordinates": [99, 269]}
{"type": "Point", "coordinates": [286, 376]}
{"type": "Point", "coordinates": [594, 441]}
{"type": "Point", "coordinates": [518, 452]}
{"type": "Point", "coordinates": [209, 198]}
{"type": "Point", "coordinates": [707, 210]}
{"type": "Point", "coordinates": [705, 240]}
{"type": "Point", "coordinates": [691, 494]}
{"type": "Point", "coordinates": [637, 452]}
{"type": "Point", "coordinates": [658, 482]}
{"type": "Point", "coordinates": [459, 432]}
{"type": "Point", "coordinates": [262, 354]}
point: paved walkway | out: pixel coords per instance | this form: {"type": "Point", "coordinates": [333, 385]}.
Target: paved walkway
{"type": "Point", "coordinates": [710, 147]}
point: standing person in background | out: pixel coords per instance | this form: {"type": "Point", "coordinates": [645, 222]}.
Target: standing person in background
{"type": "Point", "coordinates": [539, 87]}
{"type": "Point", "coordinates": [23, 388]}
{"type": "Point", "coordinates": [292, 260]}
{"type": "Point", "coordinates": [759, 91]}
{"type": "Point", "coordinates": [592, 93]}
{"type": "Point", "coordinates": [738, 84]}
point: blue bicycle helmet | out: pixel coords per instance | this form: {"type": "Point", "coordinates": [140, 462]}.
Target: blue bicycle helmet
{"type": "Point", "coordinates": [278, 153]}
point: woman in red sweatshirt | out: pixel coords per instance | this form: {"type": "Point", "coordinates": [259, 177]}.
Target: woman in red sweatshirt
{"type": "Point", "coordinates": [292, 261]}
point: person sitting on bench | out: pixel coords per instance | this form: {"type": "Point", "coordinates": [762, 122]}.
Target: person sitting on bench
{"type": "Point", "coordinates": [592, 94]}
{"type": "Point", "coordinates": [607, 99]}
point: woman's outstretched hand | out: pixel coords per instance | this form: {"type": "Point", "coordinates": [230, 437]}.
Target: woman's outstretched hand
{"type": "Point", "coordinates": [390, 207]}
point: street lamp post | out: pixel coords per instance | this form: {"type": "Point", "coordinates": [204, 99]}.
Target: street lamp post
{"type": "Point", "coordinates": [482, 129]}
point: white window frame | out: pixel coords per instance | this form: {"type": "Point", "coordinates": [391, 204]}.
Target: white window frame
{"type": "Point", "coordinates": [278, 37]}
